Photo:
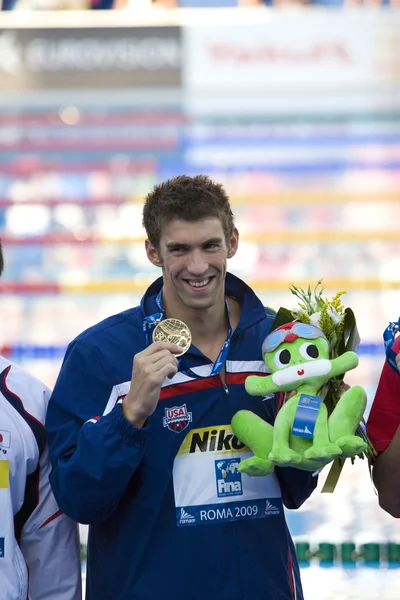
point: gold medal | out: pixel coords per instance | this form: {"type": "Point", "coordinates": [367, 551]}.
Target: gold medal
{"type": "Point", "coordinates": [175, 332]}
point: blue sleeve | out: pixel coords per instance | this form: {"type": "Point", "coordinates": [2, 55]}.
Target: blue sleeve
{"type": "Point", "coordinates": [92, 461]}
{"type": "Point", "coordinates": [296, 485]}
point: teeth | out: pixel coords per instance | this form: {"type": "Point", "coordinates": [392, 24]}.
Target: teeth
{"type": "Point", "coordinates": [199, 283]}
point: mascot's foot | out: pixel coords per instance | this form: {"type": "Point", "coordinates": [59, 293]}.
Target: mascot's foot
{"type": "Point", "coordinates": [351, 445]}
{"type": "Point", "coordinates": [327, 452]}
{"type": "Point", "coordinates": [256, 467]}
{"type": "Point", "coordinates": [284, 458]}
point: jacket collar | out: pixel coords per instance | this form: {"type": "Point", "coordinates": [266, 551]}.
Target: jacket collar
{"type": "Point", "coordinates": [252, 307]}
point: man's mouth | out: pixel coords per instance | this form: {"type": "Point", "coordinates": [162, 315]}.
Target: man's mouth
{"type": "Point", "coordinates": [198, 283]}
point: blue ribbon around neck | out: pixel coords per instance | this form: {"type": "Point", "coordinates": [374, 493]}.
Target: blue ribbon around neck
{"type": "Point", "coordinates": [152, 320]}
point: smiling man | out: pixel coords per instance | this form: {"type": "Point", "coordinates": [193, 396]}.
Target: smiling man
{"type": "Point", "coordinates": [146, 455]}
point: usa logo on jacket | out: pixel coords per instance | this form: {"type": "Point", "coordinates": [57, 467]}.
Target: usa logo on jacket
{"type": "Point", "coordinates": [177, 418]}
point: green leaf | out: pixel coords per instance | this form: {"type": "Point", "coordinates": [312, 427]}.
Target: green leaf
{"type": "Point", "coordinates": [351, 338]}
{"type": "Point", "coordinates": [282, 317]}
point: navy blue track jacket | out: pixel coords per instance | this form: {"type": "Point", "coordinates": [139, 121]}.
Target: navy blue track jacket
{"type": "Point", "coordinates": [170, 515]}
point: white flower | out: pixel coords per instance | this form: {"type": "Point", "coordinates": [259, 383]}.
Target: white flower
{"type": "Point", "coordinates": [335, 315]}
{"type": "Point", "coordinates": [314, 318]}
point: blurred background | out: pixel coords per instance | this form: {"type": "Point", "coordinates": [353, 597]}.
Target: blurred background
{"type": "Point", "coordinates": [294, 106]}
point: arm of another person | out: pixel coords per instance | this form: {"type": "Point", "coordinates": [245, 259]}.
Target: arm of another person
{"type": "Point", "coordinates": [29, 515]}
{"type": "Point", "coordinates": [50, 546]}
{"type": "Point", "coordinates": [386, 476]}
{"type": "Point", "coordinates": [96, 443]}
{"type": "Point", "coordinates": [383, 426]}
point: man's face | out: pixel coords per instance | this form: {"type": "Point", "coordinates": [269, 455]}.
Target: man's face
{"type": "Point", "coordinates": [193, 257]}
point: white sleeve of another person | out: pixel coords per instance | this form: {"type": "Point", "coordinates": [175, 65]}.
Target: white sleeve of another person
{"type": "Point", "coordinates": [50, 546]}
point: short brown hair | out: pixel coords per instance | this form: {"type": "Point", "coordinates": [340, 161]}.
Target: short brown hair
{"type": "Point", "coordinates": [189, 199]}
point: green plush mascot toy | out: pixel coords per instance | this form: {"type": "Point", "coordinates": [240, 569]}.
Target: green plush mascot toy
{"type": "Point", "coordinates": [303, 436]}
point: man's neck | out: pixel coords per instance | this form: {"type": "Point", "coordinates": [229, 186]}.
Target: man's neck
{"type": "Point", "coordinates": [203, 324]}
{"type": "Point", "coordinates": [207, 325]}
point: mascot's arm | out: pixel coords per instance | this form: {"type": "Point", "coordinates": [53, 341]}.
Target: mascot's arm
{"type": "Point", "coordinates": [343, 363]}
{"type": "Point", "coordinates": [260, 386]}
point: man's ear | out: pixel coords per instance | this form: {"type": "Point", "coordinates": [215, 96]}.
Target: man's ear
{"type": "Point", "coordinates": [152, 254]}
{"type": "Point", "coordinates": [233, 243]}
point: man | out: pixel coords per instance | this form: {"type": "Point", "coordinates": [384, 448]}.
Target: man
{"type": "Point", "coordinates": [383, 427]}
{"type": "Point", "coordinates": [39, 546]}
{"type": "Point", "coordinates": [146, 455]}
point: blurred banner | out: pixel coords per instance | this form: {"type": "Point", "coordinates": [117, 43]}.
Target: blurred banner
{"type": "Point", "coordinates": [95, 58]}
{"type": "Point", "coordinates": [315, 60]}
{"type": "Point", "coordinates": [313, 54]}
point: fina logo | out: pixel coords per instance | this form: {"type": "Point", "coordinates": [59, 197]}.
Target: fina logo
{"type": "Point", "coordinates": [228, 478]}
{"type": "Point", "coordinates": [177, 418]}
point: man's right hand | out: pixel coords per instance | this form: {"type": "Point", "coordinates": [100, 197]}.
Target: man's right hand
{"type": "Point", "coordinates": [150, 368]}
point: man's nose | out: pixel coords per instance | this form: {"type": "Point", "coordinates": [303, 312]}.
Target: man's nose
{"type": "Point", "coordinates": [198, 264]}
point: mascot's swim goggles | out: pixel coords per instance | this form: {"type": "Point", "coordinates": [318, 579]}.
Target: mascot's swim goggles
{"type": "Point", "coordinates": [290, 332]}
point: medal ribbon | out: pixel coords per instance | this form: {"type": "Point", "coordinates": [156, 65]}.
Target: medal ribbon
{"type": "Point", "coordinates": [388, 339]}
{"type": "Point", "coordinates": [155, 318]}
{"type": "Point", "coordinates": [152, 320]}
